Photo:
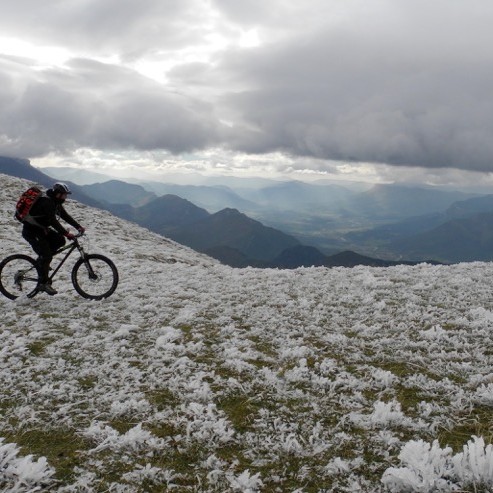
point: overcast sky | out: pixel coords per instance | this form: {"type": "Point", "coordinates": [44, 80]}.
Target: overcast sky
{"type": "Point", "coordinates": [267, 86]}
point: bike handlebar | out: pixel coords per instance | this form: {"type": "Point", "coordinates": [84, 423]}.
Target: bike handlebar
{"type": "Point", "coordinates": [77, 236]}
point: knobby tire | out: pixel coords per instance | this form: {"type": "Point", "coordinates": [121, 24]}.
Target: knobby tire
{"type": "Point", "coordinates": [19, 275]}
{"type": "Point", "coordinates": [95, 277]}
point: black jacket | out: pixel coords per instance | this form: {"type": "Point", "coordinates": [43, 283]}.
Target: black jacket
{"type": "Point", "coordinates": [45, 212]}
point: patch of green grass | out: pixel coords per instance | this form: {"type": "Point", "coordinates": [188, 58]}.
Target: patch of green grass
{"type": "Point", "coordinates": [100, 318]}
{"type": "Point", "coordinates": [398, 368]}
{"type": "Point", "coordinates": [48, 316]}
{"type": "Point", "coordinates": [185, 328]}
{"type": "Point", "coordinates": [403, 369]}
{"type": "Point", "coordinates": [61, 447]}
{"type": "Point", "coordinates": [478, 422]}
{"type": "Point", "coordinates": [409, 398]}
{"type": "Point", "coordinates": [352, 334]}
{"type": "Point", "coordinates": [240, 410]}
{"type": "Point", "coordinates": [263, 346]}
{"type": "Point", "coordinates": [36, 348]}
{"type": "Point", "coordinates": [240, 323]}
{"type": "Point", "coordinates": [135, 363]}
{"type": "Point", "coordinates": [88, 383]}
{"type": "Point", "coordinates": [162, 398]}
{"type": "Point", "coordinates": [121, 425]}
{"type": "Point", "coordinates": [9, 422]}
{"type": "Point", "coordinates": [262, 363]}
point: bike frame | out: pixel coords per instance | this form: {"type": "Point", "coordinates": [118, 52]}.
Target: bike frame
{"type": "Point", "coordinates": [71, 247]}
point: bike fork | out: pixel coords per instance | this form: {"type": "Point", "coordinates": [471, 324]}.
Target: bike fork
{"type": "Point", "coordinates": [90, 270]}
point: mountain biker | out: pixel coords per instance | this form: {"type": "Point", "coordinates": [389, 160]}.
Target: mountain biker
{"type": "Point", "coordinates": [44, 232]}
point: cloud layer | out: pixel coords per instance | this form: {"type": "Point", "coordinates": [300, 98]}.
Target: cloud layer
{"type": "Point", "coordinates": [402, 83]}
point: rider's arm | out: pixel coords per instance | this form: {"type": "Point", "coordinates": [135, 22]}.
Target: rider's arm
{"type": "Point", "coordinates": [58, 227]}
{"type": "Point", "coordinates": [68, 218]}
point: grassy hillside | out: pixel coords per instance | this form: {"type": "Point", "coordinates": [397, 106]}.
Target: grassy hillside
{"type": "Point", "coordinates": [198, 377]}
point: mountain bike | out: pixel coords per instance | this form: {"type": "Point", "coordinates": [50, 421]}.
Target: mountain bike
{"type": "Point", "coordinates": [94, 276]}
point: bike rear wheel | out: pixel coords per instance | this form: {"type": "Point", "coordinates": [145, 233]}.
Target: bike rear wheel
{"type": "Point", "coordinates": [95, 277]}
{"type": "Point", "coordinates": [19, 276]}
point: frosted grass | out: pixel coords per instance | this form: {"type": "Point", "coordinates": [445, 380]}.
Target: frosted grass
{"type": "Point", "coordinates": [195, 376]}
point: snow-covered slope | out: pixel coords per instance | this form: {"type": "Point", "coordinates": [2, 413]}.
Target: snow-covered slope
{"type": "Point", "coordinates": [207, 378]}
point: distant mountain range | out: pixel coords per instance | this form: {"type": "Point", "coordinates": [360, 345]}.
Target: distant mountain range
{"type": "Point", "coordinates": [22, 169]}
{"type": "Point", "coordinates": [228, 235]}
{"type": "Point", "coordinates": [118, 192]}
{"type": "Point", "coordinates": [325, 223]}
{"type": "Point", "coordinates": [461, 233]}
{"type": "Point", "coordinates": [457, 240]}
{"type": "Point", "coordinates": [401, 237]}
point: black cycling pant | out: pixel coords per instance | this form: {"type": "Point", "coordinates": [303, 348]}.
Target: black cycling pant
{"type": "Point", "coordinates": [45, 243]}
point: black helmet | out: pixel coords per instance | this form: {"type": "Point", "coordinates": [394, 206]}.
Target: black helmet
{"type": "Point", "coordinates": [61, 188]}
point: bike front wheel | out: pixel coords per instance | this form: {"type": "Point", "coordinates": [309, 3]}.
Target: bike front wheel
{"type": "Point", "coordinates": [19, 276]}
{"type": "Point", "coordinates": [95, 277]}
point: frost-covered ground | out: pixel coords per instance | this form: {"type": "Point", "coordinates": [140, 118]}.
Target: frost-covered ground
{"type": "Point", "coordinates": [198, 377]}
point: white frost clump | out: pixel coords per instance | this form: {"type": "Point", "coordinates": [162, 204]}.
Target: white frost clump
{"type": "Point", "coordinates": [383, 379]}
{"type": "Point", "coordinates": [168, 334]}
{"type": "Point", "coordinates": [338, 466]}
{"type": "Point", "coordinates": [424, 469]}
{"type": "Point", "coordinates": [129, 407]}
{"type": "Point", "coordinates": [385, 414]}
{"type": "Point", "coordinates": [245, 482]}
{"type": "Point", "coordinates": [475, 464]}
{"type": "Point", "coordinates": [206, 423]}
{"type": "Point", "coordinates": [429, 468]}
{"type": "Point", "coordinates": [484, 394]}
{"type": "Point", "coordinates": [134, 440]}
{"type": "Point", "coordinates": [153, 475]}
{"type": "Point", "coordinates": [22, 474]}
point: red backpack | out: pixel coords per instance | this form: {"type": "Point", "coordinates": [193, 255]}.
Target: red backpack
{"type": "Point", "coordinates": [25, 202]}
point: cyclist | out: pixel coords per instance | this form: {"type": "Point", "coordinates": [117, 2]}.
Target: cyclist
{"type": "Point", "coordinates": [44, 232]}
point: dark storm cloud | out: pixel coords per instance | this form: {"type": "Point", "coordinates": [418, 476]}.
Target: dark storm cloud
{"type": "Point", "coordinates": [398, 89]}
{"type": "Point", "coordinates": [403, 82]}
{"type": "Point", "coordinates": [129, 28]}
{"type": "Point", "coordinates": [96, 105]}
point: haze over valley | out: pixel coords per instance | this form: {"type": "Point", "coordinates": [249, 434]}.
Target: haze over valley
{"type": "Point", "coordinates": [388, 221]}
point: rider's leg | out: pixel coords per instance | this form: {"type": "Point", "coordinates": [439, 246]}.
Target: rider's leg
{"type": "Point", "coordinates": [40, 244]}
{"type": "Point", "coordinates": [52, 241]}
{"type": "Point", "coordinates": [55, 240]}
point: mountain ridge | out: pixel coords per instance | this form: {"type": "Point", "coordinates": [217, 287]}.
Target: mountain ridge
{"type": "Point", "coordinates": [21, 168]}
{"type": "Point", "coordinates": [225, 232]}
